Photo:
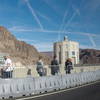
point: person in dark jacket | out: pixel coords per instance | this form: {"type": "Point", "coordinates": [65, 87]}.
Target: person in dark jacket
{"type": "Point", "coordinates": [68, 66]}
{"type": "Point", "coordinates": [54, 66]}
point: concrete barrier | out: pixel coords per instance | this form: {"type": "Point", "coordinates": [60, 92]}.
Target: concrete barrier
{"type": "Point", "coordinates": [17, 87]}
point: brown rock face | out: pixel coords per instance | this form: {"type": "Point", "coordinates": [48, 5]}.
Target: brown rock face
{"type": "Point", "coordinates": [49, 54]}
{"type": "Point", "coordinates": [89, 56]}
{"type": "Point", "coordinates": [19, 50]}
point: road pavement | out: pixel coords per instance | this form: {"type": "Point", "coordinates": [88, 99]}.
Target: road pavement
{"type": "Point", "coordinates": [86, 92]}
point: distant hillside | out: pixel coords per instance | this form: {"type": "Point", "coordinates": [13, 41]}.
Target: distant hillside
{"type": "Point", "coordinates": [19, 50]}
{"type": "Point", "coordinates": [49, 54]}
{"type": "Point", "coordinates": [87, 56]}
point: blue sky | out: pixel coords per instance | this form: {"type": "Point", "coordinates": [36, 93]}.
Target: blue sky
{"type": "Point", "coordinates": [43, 22]}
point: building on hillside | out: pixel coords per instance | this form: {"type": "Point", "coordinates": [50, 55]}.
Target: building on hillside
{"type": "Point", "coordinates": [66, 49]}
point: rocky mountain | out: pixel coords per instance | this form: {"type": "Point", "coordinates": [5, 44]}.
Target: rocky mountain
{"type": "Point", "coordinates": [49, 54]}
{"type": "Point", "coordinates": [89, 56]}
{"type": "Point", "coordinates": [19, 50]}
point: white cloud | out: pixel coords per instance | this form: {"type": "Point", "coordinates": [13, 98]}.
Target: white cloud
{"type": "Point", "coordinates": [28, 29]}
{"type": "Point", "coordinates": [89, 47]}
{"type": "Point", "coordinates": [43, 16]}
{"type": "Point", "coordinates": [27, 40]}
{"type": "Point", "coordinates": [90, 37]}
{"type": "Point", "coordinates": [84, 33]}
{"type": "Point", "coordinates": [92, 40]}
{"type": "Point", "coordinates": [24, 29]}
{"type": "Point", "coordinates": [33, 13]}
{"type": "Point", "coordinates": [76, 10]}
{"type": "Point", "coordinates": [46, 18]}
{"type": "Point", "coordinates": [62, 25]}
{"type": "Point", "coordinates": [53, 6]}
{"type": "Point", "coordinates": [44, 46]}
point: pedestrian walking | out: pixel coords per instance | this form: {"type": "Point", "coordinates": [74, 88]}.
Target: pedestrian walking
{"type": "Point", "coordinates": [40, 67]}
{"type": "Point", "coordinates": [68, 66]}
{"type": "Point", "coordinates": [54, 66]}
{"type": "Point", "coordinates": [7, 70]}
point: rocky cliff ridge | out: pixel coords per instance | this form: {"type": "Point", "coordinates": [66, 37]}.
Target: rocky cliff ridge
{"type": "Point", "coordinates": [89, 56]}
{"type": "Point", "coordinates": [19, 50]}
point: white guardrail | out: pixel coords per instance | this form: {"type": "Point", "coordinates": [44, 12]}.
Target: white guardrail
{"type": "Point", "coordinates": [18, 87]}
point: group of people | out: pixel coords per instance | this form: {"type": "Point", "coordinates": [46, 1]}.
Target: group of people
{"type": "Point", "coordinates": [7, 69]}
{"type": "Point", "coordinates": [54, 66]}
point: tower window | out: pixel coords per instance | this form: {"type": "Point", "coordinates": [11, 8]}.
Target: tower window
{"type": "Point", "coordinates": [73, 52]}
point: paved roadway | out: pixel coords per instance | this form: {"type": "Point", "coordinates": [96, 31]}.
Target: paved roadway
{"type": "Point", "coordinates": [87, 92]}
